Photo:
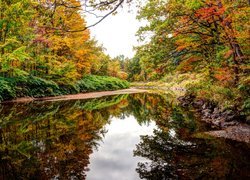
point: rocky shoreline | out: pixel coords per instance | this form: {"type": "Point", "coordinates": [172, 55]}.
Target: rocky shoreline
{"type": "Point", "coordinates": [227, 123]}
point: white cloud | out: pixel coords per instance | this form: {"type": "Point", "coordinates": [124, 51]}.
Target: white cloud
{"type": "Point", "coordinates": [117, 32]}
{"type": "Point", "coordinates": [114, 158]}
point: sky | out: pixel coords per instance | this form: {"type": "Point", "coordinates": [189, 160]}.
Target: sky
{"type": "Point", "coordinates": [117, 32]}
{"type": "Point", "coordinates": [114, 158]}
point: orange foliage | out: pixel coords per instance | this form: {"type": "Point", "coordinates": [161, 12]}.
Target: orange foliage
{"type": "Point", "coordinates": [188, 65]}
{"type": "Point", "coordinates": [223, 75]}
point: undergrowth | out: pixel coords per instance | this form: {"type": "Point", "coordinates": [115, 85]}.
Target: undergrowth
{"type": "Point", "coordinates": [31, 86]}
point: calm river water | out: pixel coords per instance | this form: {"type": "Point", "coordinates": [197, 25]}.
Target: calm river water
{"type": "Point", "coordinates": [122, 137]}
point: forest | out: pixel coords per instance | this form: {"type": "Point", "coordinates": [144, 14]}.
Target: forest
{"type": "Point", "coordinates": [43, 54]}
{"type": "Point", "coordinates": [200, 46]}
{"type": "Point", "coordinates": [183, 111]}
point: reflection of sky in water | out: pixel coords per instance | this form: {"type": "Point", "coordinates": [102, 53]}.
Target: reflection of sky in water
{"type": "Point", "coordinates": [114, 159]}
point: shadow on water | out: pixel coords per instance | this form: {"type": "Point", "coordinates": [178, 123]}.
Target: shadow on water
{"type": "Point", "coordinates": [44, 140]}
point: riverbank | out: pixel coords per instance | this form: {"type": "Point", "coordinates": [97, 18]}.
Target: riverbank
{"type": "Point", "coordinates": [225, 123]}
{"type": "Point", "coordinates": [78, 96]}
{"type": "Point", "coordinates": [224, 108]}
{"type": "Point", "coordinates": [29, 87]}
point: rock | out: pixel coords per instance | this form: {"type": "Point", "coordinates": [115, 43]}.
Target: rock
{"type": "Point", "coordinates": [211, 113]}
{"type": "Point", "coordinates": [216, 111]}
{"type": "Point", "coordinates": [198, 103]}
{"type": "Point", "coordinates": [228, 113]}
{"type": "Point", "coordinates": [248, 120]}
{"type": "Point", "coordinates": [204, 106]}
{"type": "Point", "coordinates": [217, 123]}
{"type": "Point", "coordinates": [186, 100]}
{"type": "Point", "coordinates": [215, 115]}
{"type": "Point", "coordinates": [240, 132]}
{"type": "Point", "coordinates": [227, 124]}
{"type": "Point", "coordinates": [206, 112]}
{"type": "Point", "coordinates": [185, 104]}
{"type": "Point", "coordinates": [229, 118]}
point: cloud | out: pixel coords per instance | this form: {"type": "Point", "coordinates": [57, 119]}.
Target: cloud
{"type": "Point", "coordinates": [117, 32]}
{"type": "Point", "coordinates": [114, 158]}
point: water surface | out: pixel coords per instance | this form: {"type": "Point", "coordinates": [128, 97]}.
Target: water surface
{"type": "Point", "coordinates": [139, 136]}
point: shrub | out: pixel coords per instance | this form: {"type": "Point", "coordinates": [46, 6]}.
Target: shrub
{"type": "Point", "coordinates": [101, 83]}
{"type": "Point", "coordinates": [32, 86]}
{"type": "Point", "coordinates": [35, 87]}
{"type": "Point", "coordinates": [246, 106]}
{"type": "Point", "coordinates": [69, 88]}
{"type": "Point", "coordinates": [6, 90]}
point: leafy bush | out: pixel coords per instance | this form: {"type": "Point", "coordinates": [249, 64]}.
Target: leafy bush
{"type": "Point", "coordinates": [246, 106]}
{"type": "Point", "coordinates": [31, 86]}
{"type": "Point", "coordinates": [6, 90]}
{"type": "Point", "coordinates": [35, 87]}
{"type": "Point", "coordinates": [101, 83]}
{"type": "Point", "coordinates": [225, 97]}
{"type": "Point", "coordinates": [69, 88]}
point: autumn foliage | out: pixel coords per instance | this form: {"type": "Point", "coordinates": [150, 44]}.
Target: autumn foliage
{"type": "Point", "coordinates": [47, 41]}
{"type": "Point", "coordinates": [194, 36]}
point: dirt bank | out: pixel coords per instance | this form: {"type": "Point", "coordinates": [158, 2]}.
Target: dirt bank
{"type": "Point", "coordinates": [78, 96]}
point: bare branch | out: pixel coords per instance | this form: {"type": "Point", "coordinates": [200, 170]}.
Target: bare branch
{"type": "Point", "coordinates": [89, 12]}
{"type": "Point", "coordinates": [105, 16]}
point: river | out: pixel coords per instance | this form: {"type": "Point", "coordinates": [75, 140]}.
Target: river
{"type": "Point", "coordinates": [121, 137]}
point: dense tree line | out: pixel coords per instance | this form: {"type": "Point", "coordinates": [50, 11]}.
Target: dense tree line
{"type": "Point", "coordinates": [50, 40]}
{"type": "Point", "coordinates": [46, 43]}
{"type": "Point", "coordinates": [207, 41]}
{"type": "Point", "coordinates": [192, 35]}
{"type": "Point", "coordinates": [42, 38]}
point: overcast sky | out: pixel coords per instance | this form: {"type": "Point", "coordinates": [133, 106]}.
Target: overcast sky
{"type": "Point", "coordinates": [117, 33]}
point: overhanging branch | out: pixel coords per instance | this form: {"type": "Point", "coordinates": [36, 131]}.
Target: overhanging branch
{"type": "Point", "coordinates": [102, 17]}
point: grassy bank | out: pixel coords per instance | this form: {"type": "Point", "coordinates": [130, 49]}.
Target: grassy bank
{"type": "Point", "coordinates": [30, 86]}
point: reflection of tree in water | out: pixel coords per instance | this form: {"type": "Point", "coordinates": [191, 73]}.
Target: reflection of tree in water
{"type": "Point", "coordinates": [172, 152]}
{"type": "Point", "coordinates": [147, 107]}
{"type": "Point", "coordinates": [46, 140]}
{"type": "Point", "coordinates": [159, 149]}
{"type": "Point", "coordinates": [55, 140]}
{"type": "Point", "coordinates": [171, 158]}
